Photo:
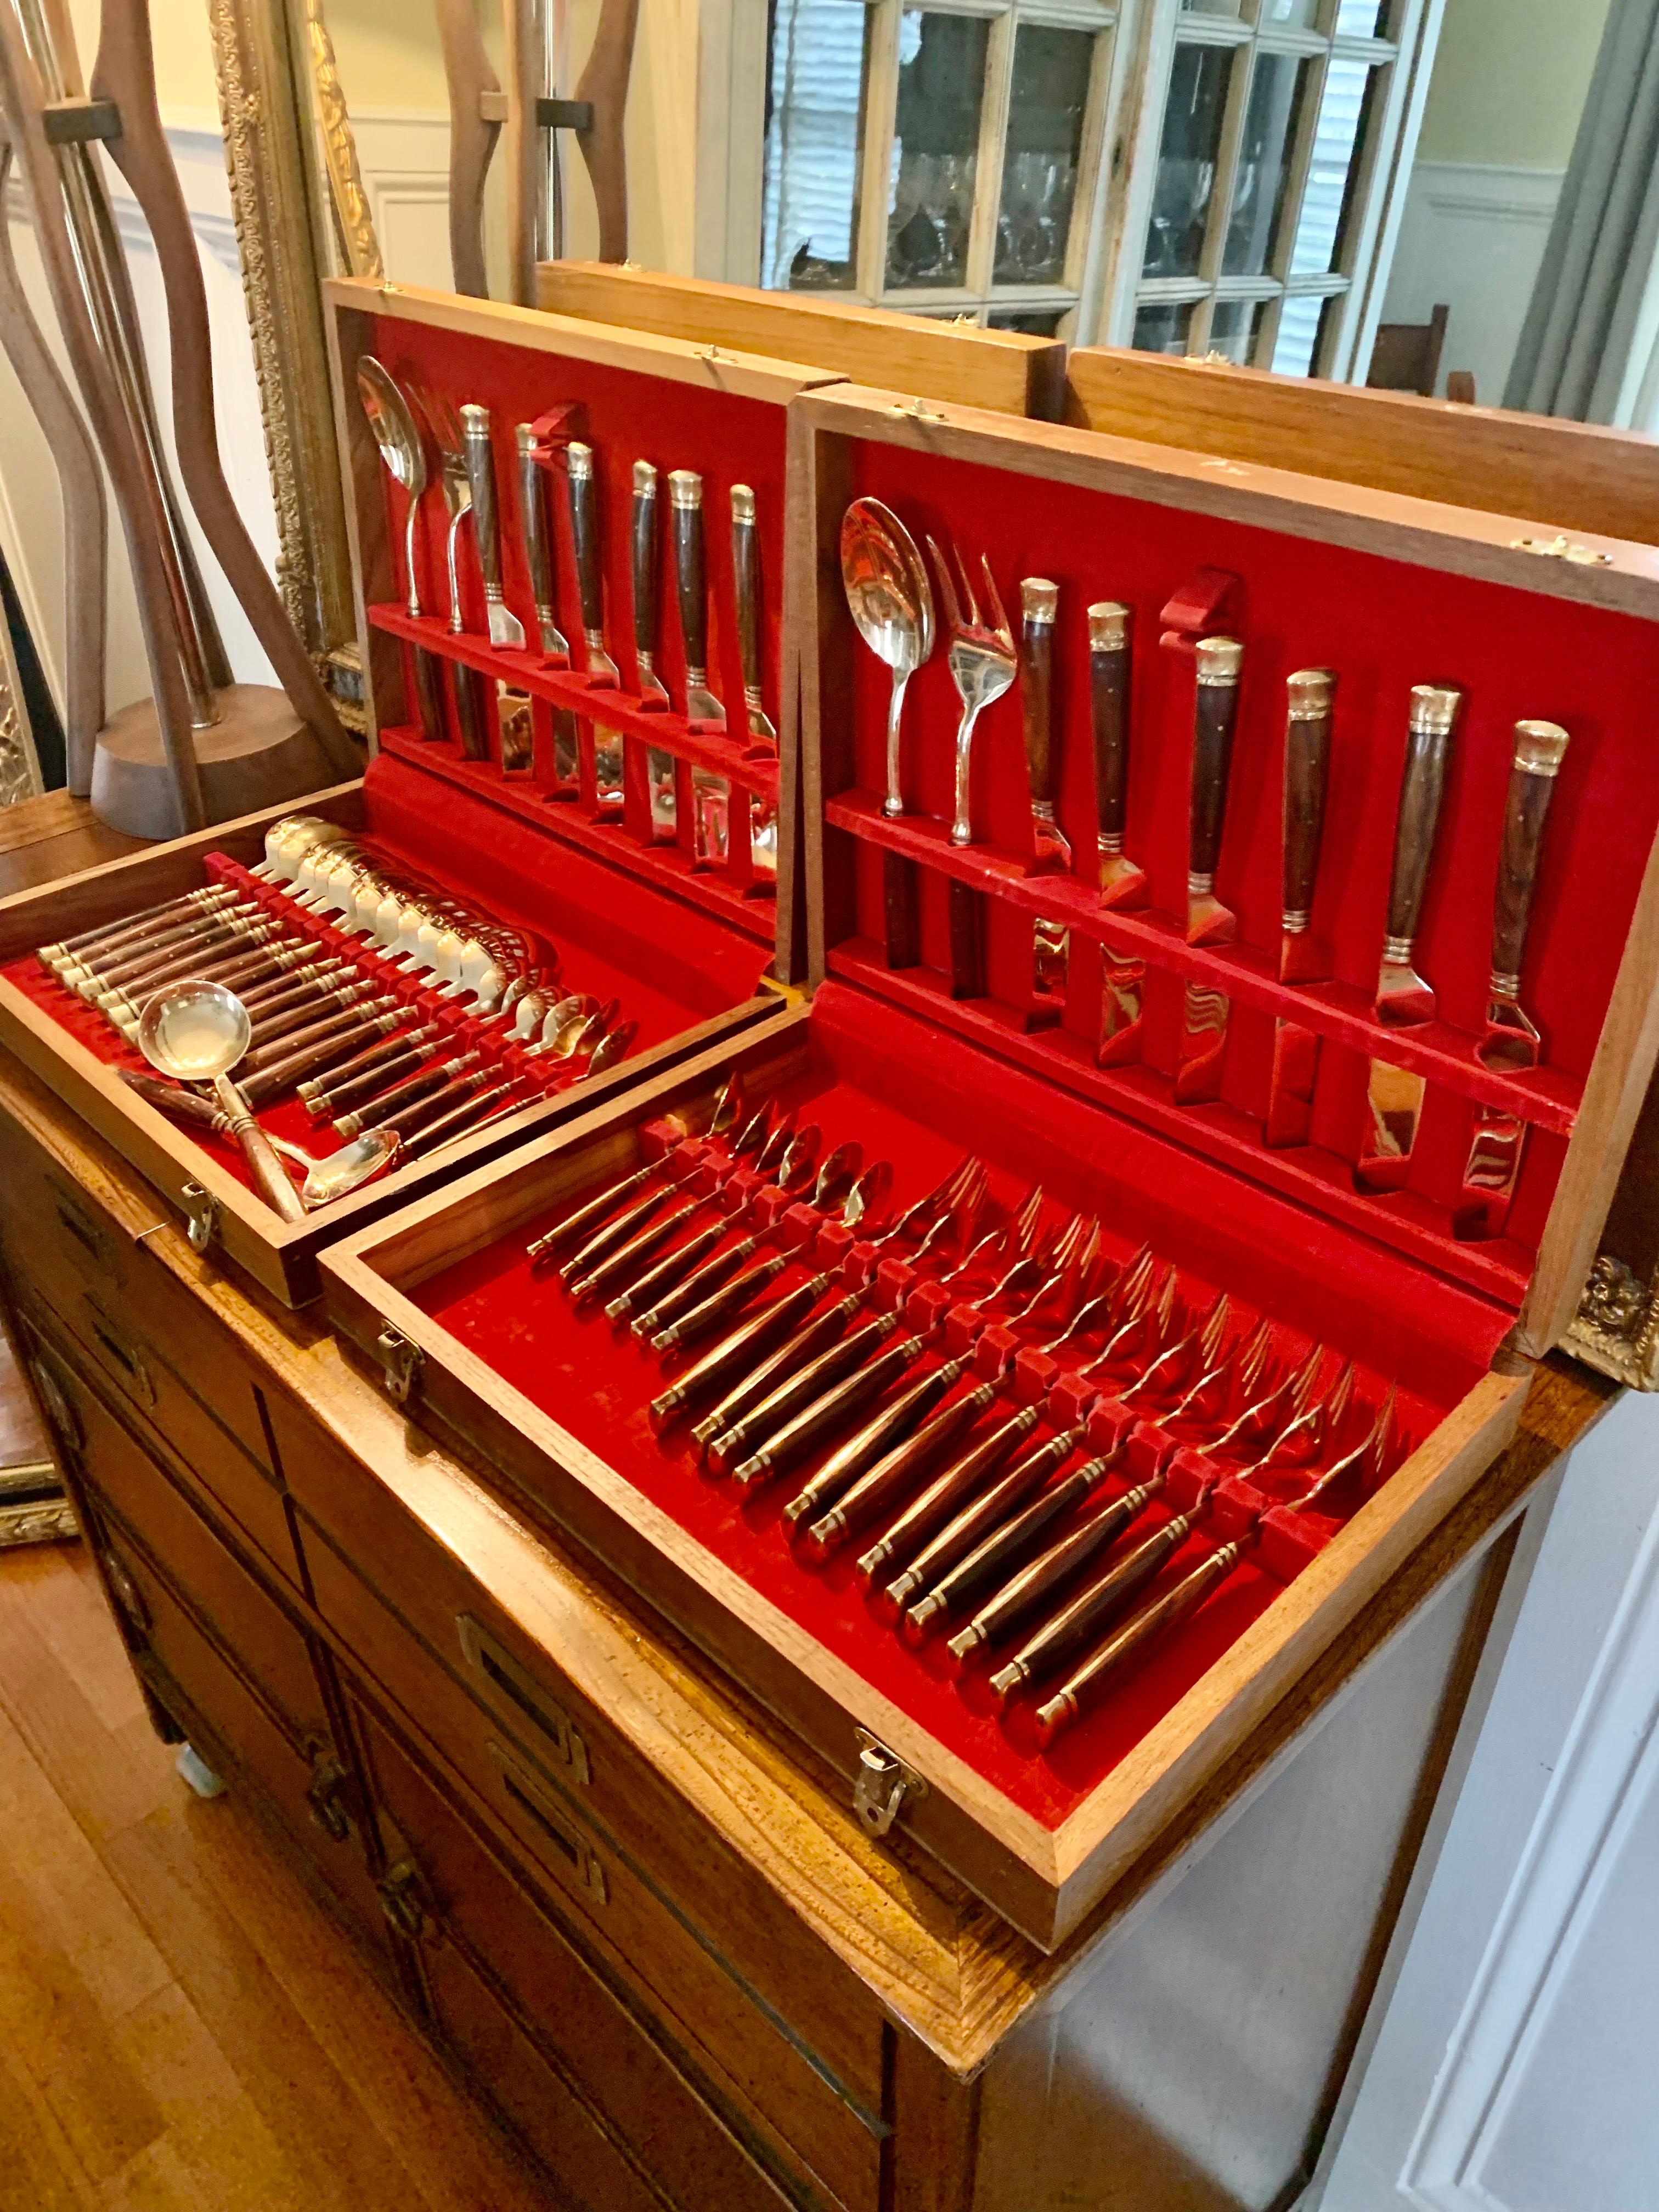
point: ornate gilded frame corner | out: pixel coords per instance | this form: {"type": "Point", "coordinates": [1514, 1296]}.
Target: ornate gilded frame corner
{"type": "Point", "coordinates": [20, 768]}
{"type": "Point", "coordinates": [1616, 1328]}
{"type": "Point", "coordinates": [272, 154]}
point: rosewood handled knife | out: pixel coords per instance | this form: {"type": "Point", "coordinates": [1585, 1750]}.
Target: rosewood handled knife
{"type": "Point", "coordinates": [702, 709]}
{"type": "Point", "coordinates": [1510, 1042]}
{"type": "Point", "coordinates": [745, 570]}
{"type": "Point", "coordinates": [1404, 1001]}
{"type": "Point", "coordinates": [505, 627]}
{"type": "Point", "coordinates": [653, 694]}
{"type": "Point", "coordinates": [1038, 600]}
{"type": "Point", "coordinates": [1122, 882]}
{"type": "Point", "coordinates": [602, 670]}
{"type": "Point", "coordinates": [1302, 958]}
{"type": "Point", "coordinates": [1204, 1027]}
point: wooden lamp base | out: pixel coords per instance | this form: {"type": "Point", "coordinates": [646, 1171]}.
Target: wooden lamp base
{"type": "Point", "coordinates": [258, 754]}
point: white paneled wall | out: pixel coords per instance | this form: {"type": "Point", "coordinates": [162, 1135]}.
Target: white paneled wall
{"type": "Point", "coordinates": [1514, 2069]}
{"type": "Point", "coordinates": [1473, 234]}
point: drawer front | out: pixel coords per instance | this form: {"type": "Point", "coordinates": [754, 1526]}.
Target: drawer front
{"type": "Point", "coordinates": [465, 1898]}
{"type": "Point", "coordinates": [145, 1335]}
{"type": "Point", "coordinates": [153, 1508]}
{"type": "Point", "coordinates": [235, 1728]}
{"type": "Point", "coordinates": [510, 1754]}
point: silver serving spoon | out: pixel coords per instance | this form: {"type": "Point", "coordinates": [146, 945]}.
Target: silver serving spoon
{"type": "Point", "coordinates": [342, 1172]}
{"type": "Point", "coordinates": [197, 1032]}
{"type": "Point", "coordinates": [392, 421]}
{"type": "Point", "coordinates": [891, 603]}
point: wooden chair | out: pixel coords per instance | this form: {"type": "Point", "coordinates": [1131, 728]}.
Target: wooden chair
{"type": "Point", "coordinates": [1406, 355]}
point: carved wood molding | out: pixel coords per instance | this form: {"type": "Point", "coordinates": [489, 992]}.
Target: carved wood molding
{"type": "Point", "coordinates": [270, 152]}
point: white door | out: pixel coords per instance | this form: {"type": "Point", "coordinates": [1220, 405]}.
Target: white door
{"type": "Point", "coordinates": [1516, 2064]}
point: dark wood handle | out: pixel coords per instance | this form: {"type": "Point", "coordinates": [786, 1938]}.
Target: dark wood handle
{"type": "Point", "coordinates": [429, 694]}
{"type": "Point", "coordinates": [481, 479]}
{"type": "Point", "coordinates": [867, 1446]}
{"type": "Point", "coordinates": [469, 708]}
{"type": "Point", "coordinates": [603, 86]}
{"type": "Point", "coordinates": [181, 1105]}
{"type": "Point", "coordinates": [469, 75]}
{"type": "Point", "coordinates": [535, 523]}
{"type": "Point", "coordinates": [1087, 1684]}
{"type": "Point", "coordinates": [585, 537]}
{"type": "Point", "coordinates": [802, 1387]}
{"type": "Point", "coordinates": [1077, 1620]}
{"type": "Point", "coordinates": [1109, 692]}
{"type": "Point", "coordinates": [645, 559]}
{"type": "Point", "coordinates": [745, 570]}
{"type": "Point", "coordinates": [1214, 719]}
{"type": "Point", "coordinates": [1537, 752]}
{"type": "Point", "coordinates": [1307, 771]}
{"type": "Point", "coordinates": [1414, 833]}
{"type": "Point", "coordinates": [271, 1082]}
{"type": "Point", "coordinates": [1059, 1561]}
{"type": "Point", "coordinates": [270, 1178]}
{"type": "Point", "coordinates": [690, 584]}
{"type": "Point", "coordinates": [1037, 680]}
{"type": "Point", "coordinates": [420, 1111]}
{"type": "Point", "coordinates": [893, 1479]}
{"type": "Point", "coordinates": [818, 1420]}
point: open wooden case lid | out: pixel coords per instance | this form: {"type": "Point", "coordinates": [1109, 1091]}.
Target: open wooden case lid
{"type": "Point", "coordinates": [1386, 592]}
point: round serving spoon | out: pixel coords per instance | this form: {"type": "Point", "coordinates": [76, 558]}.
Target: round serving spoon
{"type": "Point", "coordinates": [392, 421]}
{"type": "Point", "coordinates": [197, 1032]}
{"type": "Point", "coordinates": [335, 1177]}
{"type": "Point", "coordinates": [891, 603]}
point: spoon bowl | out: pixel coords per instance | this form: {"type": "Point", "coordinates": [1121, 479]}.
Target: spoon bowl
{"type": "Point", "coordinates": [196, 1031]}
{"type": "Point", "coordinates": [391, 419]}
{"type": "Point", "coordinates": [891, 603]}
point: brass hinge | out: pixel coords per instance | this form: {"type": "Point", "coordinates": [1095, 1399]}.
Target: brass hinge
{"type": "Point", "coordinates": [200, 1215]}
{"type": "Point", "coordinates": [402, 1361]}
{"type": "Point", "coordinates": [882, 1785]}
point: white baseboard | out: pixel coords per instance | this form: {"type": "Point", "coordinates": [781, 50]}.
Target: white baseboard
{"type": "Point", "coordinates": [1472, 235]}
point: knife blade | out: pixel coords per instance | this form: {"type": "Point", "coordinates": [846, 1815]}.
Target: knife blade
{"type": "Point", "coordinates": [653, 693]}
{"type": "Point", "coordinates": [745, 570]}
{"type": "Point", "coordinates": [505, 627]}
{"type": "Point", "coordinates": [1038, 600]}
{"type": "Point", "coordinates": [702, 709]}
{"type": "Point", "coordinates": [1394, 1094]}
{"type": "Point", "coordinates": [1302, 958]}
{"type": "Point", "coordinates": [1215, 715]}
{"type": "Point", "coordinates": [1122, 882]}
{"type": "Point", "coordinates": [602, 670]}
{"type": "Point", "coordinates": [1510, 1042]}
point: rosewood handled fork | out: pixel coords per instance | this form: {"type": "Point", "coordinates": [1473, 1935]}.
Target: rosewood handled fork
{"type": "Point", "coordinates": [982, 661]}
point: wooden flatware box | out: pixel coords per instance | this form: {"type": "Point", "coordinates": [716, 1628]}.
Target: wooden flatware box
{"type": "Point", "coordinates": [688, 945]}
{"type": "Point", "coordinates": [1388, 592]}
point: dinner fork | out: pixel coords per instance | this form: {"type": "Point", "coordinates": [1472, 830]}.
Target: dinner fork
{"type": "Point", "coordinates": [443, 426]}
{"type": "Point", "coordinates": [982, 664]}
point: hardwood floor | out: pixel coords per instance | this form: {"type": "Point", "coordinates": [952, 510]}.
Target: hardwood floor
{"type": "Point", "coordinates": [181, 2025]}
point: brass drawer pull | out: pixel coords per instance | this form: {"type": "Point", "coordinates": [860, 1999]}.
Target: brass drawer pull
{"type": "Point", "coordinates": [406, 1902]}
{"type": "Point", "coordinates": [56, 1399]}
{"type": "Point", "coordinates": [74, 1218]}
{"type": "Point", "coordinates": [127, 1596]}
{"type": "Point", "coordinates": [501, 1670]}
{"type": "Point", "coordinates": [325, 1797]}
{"type": "Point", "coordinates": [528, 1796]}
{"type": "Point", "coordinates": [122, 1353]}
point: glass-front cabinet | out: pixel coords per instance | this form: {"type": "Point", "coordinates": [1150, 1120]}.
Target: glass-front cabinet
{"type": "Point", "coordinates": [1187, 176]}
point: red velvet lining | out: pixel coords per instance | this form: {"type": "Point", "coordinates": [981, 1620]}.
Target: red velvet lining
{"type": "Point", "coordinates": [671, 967]}
{"type": "Point", "coordinates": [1382, 625]}
{"type": "Point", "coordinates": [1359, 1298]}
{"type": "Point", "coordinates": [625, 415]}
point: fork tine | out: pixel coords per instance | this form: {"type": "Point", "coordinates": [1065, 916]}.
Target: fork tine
{"type": "Point", "coordinates": [947, 589]}
{"type": "Point", "coordinates": [994, 601]}
{"type": "Point", "coordinates": [968, 598]}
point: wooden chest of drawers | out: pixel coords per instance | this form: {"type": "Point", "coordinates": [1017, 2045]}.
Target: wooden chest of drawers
{"type": "Point", "coordinates": [652, 1936]}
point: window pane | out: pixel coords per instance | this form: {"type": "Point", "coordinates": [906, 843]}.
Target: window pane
{"type": "Point", "coordinates": [1161, 327]}
{"type": "Point", "coordinates": [1044, 323]}
{"type": "Point", "coordinates": [1234, 325]}
{"type": "Point", "coordinates": [1233, 9]}
{"type": "Point", "coordinates": [1361, 19]}
{"type": "Point", "coordinates": [936, 147]}
{"type": "Point", "coordinates": [1332, 174]}
{"type": "Point", "coordinates": [1185, 183]}
{"type": "Point", "coordinates": [1039, 170]}
{"type": "Point", "coordinates": [1302, 324]}
{"type": "Point", "coordinates": [1277, 87]}
{"type": "Point", "coordinates": [1291, 14]}
{"type": "Point", "coordinates": [814, 126]}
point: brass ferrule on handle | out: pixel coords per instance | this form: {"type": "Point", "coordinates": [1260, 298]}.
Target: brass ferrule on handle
{"type": "Point", "coordinates": [686, 490]}
{"type": "Point", "coordinates": [1539, 749]}
{"type": "Point", "coordinates": [1311, 694]}
{"type": "Point", "coordinates": [743, 505]}
{"type": "Point", "coordinates": [1038, 599]}
{"type": "Point", "coordinates": [1434, 710]}
{"type": "Point", "coordinates": [1109, 626]}
{"type": "Point", "coordinates": [579, 461]}
{"type": "Point", "coordinates": [1219, 660]}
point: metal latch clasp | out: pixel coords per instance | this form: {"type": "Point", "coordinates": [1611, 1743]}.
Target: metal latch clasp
{"type": "Point", "coordinates": [882, 1784]}
{"type": "Point", "coordinates": [200, 1215]}
{"type": "Point", "coordinates": [402, 1362]}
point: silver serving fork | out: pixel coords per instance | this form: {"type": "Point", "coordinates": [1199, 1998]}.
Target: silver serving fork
{"type": "Point", "coordinates": [983, 662]}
